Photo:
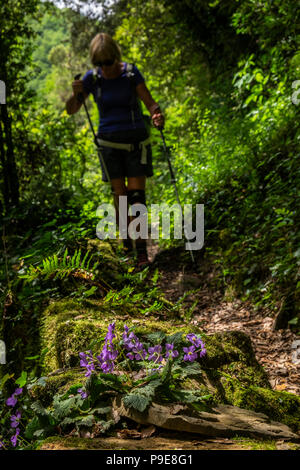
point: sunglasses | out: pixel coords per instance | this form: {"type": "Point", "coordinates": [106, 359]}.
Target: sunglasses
{"type": "Point", "coordinates": [106, 62]}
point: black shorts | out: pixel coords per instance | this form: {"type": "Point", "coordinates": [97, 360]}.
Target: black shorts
{"type": "Point", "coordinates": [121, 163]}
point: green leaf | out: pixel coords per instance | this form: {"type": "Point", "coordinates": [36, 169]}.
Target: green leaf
{"type": "Point", "coordinates": [63, 407]}
{"type": "Point", "coordinates": [176, 339]}
{"type": "Point", "coordinates": [88, 420]}
{"type": "Point", "coordinates": [189, 396]}
{"type": "Point", "coordinates": [21, 381]}
{"type": "Point", "coordinates": [188, 370]}
{"type": "Point", "coordinates": [38, 408]}
{"type": "Point", "coordinates": [42, 381]}
{"type": "Point", "coordinates": [259, 77]}
{"type": "Point", "coordinates": [140, 398]}
{"type": "Point", "coordinates": [137, 401]}
{"type": "Point", "coordinates": [157, 337]}
{"type": "Point", "coordinates": [102, 411]}
{"type": "Point", "coordinates": [166, 372]}
{"type": "Point", "coordinates": [90, 291]}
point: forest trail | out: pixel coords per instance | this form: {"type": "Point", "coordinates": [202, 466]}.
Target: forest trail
{"type": "Point", "coordinates": [213, 313]}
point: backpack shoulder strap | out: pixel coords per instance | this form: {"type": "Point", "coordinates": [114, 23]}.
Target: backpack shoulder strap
{"type": "Point", "coordinates": [130, 75]}
{"type": "Point", "coordinates": [97, 83]}
{"type": "Point", "coordinates": [129, 71]}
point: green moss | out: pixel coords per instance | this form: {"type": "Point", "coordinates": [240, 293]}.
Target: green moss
{"type": "Point", "coordinates": [255, 444]}
{"type": "Point", "coordinates": [68, 327]}
{"type": "Point", "coordinates": [230, 354]}
{"type": "Point", "coordinates": [78, 443]}
{"type": "Point", "coordinates": [104, 252]}
{"type": "Point", "coordinates": [278, 406]}
{"type": "Point", "coordinates": [59, 383]}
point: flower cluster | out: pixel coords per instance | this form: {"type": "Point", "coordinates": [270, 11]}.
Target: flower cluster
{"type": "Point", "coordinates": [191, 353]}
{"type": "Point", "coordinates": [14, 419]}
{"type": "Point", "coordinates": [87, 360]}
{"type": "Point", "coordinates": [135, 350]}
{"type": "Point", "coordinates": [105, 360]}
{"type": "Point", "coordinates": [109, 353]}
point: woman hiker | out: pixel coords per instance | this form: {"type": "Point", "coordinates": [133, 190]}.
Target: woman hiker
{"type": "Point", "coordinates": [117, 87]}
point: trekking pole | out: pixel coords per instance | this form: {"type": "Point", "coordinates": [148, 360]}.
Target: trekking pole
{"type": "Point", "coordinates": [81, 99]}
{"type": "Point", "coordinates": [173, 180]}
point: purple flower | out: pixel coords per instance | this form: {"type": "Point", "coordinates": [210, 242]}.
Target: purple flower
{"type": "Point", "coordinates": [133, 345]}
{"type": "Point", "coordinates": [15, 420]}
{"type": "Point", "coordinates": [155, 353]}
{"type": "Point", "coordinates": [202, 352]}
{"type": "Point", "coordinates": [15, 437]}
{"type": "Point", "coordinates": [152, 371]}
{"type": "Point", "coordinates": [107, 366]}
{"type": "Point", "coordinates": [170, 351]}
{"type": "Point", "coordinates": [141, 355]}
{"type": "Point", "coordinates": [82, 393]}
{"type": "Point", "coordinates": [108, 354]}
{"type": "Point", "coordinates": [87, 361]}
{"type": "Point", "coordinates": [130, 356]}
{"type": "Point", "coordinates": [11, 401]}
{"type": "Point", "coordinates": [110, 335]}
{"type": "Point", "coordinates": [84, 359]}
{"type": "Point", "coordinates": [197, 342]}
{"type": "Point", "coordinates": [90, 368]}
{"type": "Point", "coordinates": [190, 354]}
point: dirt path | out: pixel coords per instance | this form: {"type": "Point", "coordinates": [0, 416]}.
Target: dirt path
{"type": "Point", "coordinates": [164, 440]}
{"type": "Point", "coordinates": [273, 349]}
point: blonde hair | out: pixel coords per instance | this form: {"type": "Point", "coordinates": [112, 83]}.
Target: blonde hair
{"type": "Point", "coordinates": [104, 47]}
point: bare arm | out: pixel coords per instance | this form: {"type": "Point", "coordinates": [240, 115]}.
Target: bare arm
{"type": "Point", "coordinates": [153, 107]}
{"type": "Point", "coordinates": [73, 104]}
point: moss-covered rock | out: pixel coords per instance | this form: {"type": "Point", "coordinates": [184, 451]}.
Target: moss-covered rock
{"type": "Point", "coordinates": [230, 371]}
{"type": "Point", "coordinates": [279, 406]}
{"type": "Point", "coordinates": [69, 327]}
{"type": "Point", "coordinates": [104, 252]}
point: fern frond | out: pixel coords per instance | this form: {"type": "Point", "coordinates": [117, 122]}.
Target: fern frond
{"type": "Point", "coordinates": [60, 268]}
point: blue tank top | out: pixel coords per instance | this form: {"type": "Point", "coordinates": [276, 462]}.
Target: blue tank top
{"type": "Point", "coordinates": [115, 103]}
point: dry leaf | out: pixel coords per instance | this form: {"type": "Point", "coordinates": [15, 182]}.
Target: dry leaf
{"type": "Point", "coordinates": [115, 415]}
{"type": "Point", "coordinates": [148, 432]}
{"type": "Point", "coordinates": [280, 387]}
{"type": "Point", "coordinates": [129, 434]}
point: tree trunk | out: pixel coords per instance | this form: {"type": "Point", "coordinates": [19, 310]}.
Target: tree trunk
{"type": "Point", "coordinates": [9, 168]}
